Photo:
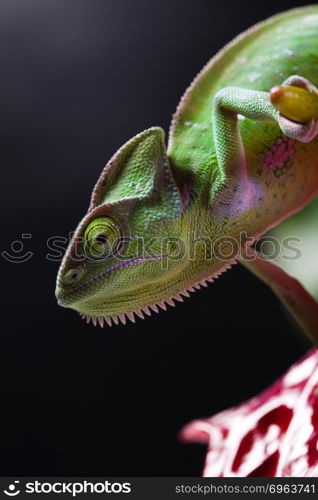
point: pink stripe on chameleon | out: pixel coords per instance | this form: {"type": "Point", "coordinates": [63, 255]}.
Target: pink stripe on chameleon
{"type": "Point", "coordinates": [281, 151]}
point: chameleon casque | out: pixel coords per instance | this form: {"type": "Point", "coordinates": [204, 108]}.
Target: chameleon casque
{"type": "Point", "coordinates": [242, 156]}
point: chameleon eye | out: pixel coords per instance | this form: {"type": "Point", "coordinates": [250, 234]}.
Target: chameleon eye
{"type": "Point", "coordinates": [101, 237]}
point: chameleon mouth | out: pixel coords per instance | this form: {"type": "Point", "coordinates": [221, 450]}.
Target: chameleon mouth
{"type": "Point", "coordinates": [150, 308]}
{"type": "Point", "coordinates": [64, 298]}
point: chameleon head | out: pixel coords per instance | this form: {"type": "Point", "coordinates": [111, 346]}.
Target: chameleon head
{"type": "Point", "coordinates": [118, 260]}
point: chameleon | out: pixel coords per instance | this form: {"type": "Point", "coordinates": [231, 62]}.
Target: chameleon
{"type": "Point", "coordinates": [242, 155]}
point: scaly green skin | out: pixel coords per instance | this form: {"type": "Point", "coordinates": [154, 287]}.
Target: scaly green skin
{"type": "Point", "coordinates": [209, 185]}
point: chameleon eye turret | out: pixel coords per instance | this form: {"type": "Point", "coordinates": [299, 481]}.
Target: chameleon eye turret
{"type": "Point", "coordinates": [101, 238]}
{"type": "Point", "coordinates": [296, 103]}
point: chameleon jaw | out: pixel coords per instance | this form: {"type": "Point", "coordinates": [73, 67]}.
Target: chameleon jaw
{"type": "Point", "coordinates": [156, 306]}
{"type": "Point", "coordinates": [63, 298]}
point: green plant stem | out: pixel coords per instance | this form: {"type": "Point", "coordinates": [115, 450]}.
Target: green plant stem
{"type": "Point", "coordinates": [301, 305]}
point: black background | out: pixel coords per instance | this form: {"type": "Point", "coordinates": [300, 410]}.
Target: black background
{"type": "Point", "coordinates": [78, 79]}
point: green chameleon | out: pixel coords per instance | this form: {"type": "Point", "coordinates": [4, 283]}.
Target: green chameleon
{"type": "Point", "coordinates": [242, 156]}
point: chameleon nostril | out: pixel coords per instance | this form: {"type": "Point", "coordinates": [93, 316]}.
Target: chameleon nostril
{"type": "Point", "coordinates": [72, 276]}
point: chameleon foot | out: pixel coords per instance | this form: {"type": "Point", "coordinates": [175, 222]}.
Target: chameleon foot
{"type": "Point", "coordinates": [296, 100]}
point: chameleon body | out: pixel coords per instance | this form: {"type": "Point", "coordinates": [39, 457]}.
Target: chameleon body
{"type": "Point", "coordinates": [163, 222]}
